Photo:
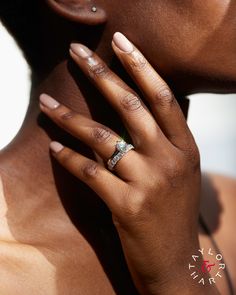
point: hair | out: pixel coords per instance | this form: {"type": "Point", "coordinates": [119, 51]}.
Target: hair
{"type": "Point", "coordinates": [31, 23]}
{"type": "Point", "coordinates": [21, 19]}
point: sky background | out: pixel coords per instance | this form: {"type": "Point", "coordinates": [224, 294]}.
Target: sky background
{"type": "Point", "coordinates": [212, 118]}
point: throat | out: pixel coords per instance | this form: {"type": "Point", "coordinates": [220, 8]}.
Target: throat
{"type": "Point", "coordinates": [39, 194]}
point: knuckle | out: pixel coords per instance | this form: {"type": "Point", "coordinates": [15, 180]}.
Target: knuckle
{"type": "Point", "coordinates": [175, 167]}
{"type": "Point", "coordinates": [136, 207]}
{"type": "Point", "coordinates": [181, 164]}
{"type": "Point", "coordinates": [131, 102]}
{"type": "Point", "coordinates": [163, 96]}
{"type": "Point", "coordinates": [99, 70]}
{"type": "Point", "coordinates": [193, 156]}
{"type": "Point", "coordinates": [101, 135]}
{"type": "Point", "coordinates": [137, 61]}
{"type": "Point", "coordinates": [66, 157]}
{"type": "Point", "coordinates": [67, 115]}
{"type": "Point", "coordinates": [90, 169]}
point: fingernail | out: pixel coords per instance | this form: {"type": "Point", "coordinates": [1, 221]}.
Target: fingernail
{"type": "Point", "coordinates": [48, 101]}
{"type": "Point", "coordinates": [56, 147]}
{"type": "Point", "coordinates": [81, 50]}
{"type": "Point", "coordinates": [122, 42]}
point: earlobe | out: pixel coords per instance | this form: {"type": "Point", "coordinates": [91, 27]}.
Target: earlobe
{"type": "Point", "coordinates": [81, 11]}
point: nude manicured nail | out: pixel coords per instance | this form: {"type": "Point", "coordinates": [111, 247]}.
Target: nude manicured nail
{"type": "Point", "coordinates": [122, 42]}
{"type": "Point", "coordinates": [48, 101]}
{"type": "Point", "coordinates": [81, 50]}
{"type": "Point", "coordinates": [56, 147]}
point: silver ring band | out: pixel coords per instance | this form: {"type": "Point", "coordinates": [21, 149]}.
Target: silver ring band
{"type": "Point", "coordinates": [122, 148]}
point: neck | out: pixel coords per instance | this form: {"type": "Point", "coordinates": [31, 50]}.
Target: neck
{"type": "Point", "coordinates": [28, 170]}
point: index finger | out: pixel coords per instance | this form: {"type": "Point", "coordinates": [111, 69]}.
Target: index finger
{"type": "Point", "coordinates": [163, 104]}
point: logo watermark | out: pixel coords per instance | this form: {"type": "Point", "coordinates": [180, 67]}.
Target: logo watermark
{"type": "Point", "coordinates": [210, 270]}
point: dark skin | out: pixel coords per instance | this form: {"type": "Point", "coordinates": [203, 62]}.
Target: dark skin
{"type": "Point", "coordinates": [75, 212]}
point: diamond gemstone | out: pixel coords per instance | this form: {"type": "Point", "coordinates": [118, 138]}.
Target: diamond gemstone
{"type": "Point", "coordinates": [121, 146]}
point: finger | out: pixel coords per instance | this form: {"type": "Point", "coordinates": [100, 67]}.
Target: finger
{"type": "Point", "coordinates": [97, 136]}
{"type": "Point", "coordinates": [109, 187]}
{"type": "Point", "coordinates": [163, 104]}
{"type": "Point", "coordinates": [138, 120]}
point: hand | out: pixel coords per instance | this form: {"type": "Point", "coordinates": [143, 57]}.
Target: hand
{"type": "Point", "coordinates": [154, 195]}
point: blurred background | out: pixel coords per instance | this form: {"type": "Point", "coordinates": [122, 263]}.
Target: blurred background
{"type": "Point", "coordinates": [212, 118]}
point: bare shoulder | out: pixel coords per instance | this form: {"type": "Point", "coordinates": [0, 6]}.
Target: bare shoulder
{"type": "Point", "coordinates": [218, 207]}
{"type": "Point", "coordinates": [218, 202]}
{"type": "Point", "coordinates": [218, 188]}
{"type": "Point", "coordinates": [224, 184]}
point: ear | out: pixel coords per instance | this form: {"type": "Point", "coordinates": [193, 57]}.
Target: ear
{"type": "Point", "coordinates": [81, 11]}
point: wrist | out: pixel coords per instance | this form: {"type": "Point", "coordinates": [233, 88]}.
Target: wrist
{"type": "Point", "coordinates": [183, 287]}
{"type": "Point", "coordinates": [178, 280]}
{"type": "Point", "coordinates": [189, 290]}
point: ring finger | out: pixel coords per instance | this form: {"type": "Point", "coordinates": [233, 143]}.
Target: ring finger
{"type": "Point", "coordinates": [97, 136]}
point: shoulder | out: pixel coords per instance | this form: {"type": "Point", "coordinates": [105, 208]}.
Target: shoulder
{"type": "Point", "coordinates": [218, 200]}
{"type": "Point", "coordinates": [224, 185]}
{"type": "Point", "coordinates": [218, 209]}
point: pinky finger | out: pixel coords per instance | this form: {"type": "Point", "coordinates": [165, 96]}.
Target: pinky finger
{"type": "Point", "coordinates": [97, 177]}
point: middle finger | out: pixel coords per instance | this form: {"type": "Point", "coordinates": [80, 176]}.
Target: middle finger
{"type": "Point", "coordinates": [138, 120]}
{"type": "Point", "coordinates": [98, 137]}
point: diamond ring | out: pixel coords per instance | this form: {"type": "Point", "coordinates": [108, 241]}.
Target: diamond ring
{"type": "Point", "coordinates": [122, 148]}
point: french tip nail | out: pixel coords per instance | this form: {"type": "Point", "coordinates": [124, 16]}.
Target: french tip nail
{"type": "Point", "coordinates": [56, 147]}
